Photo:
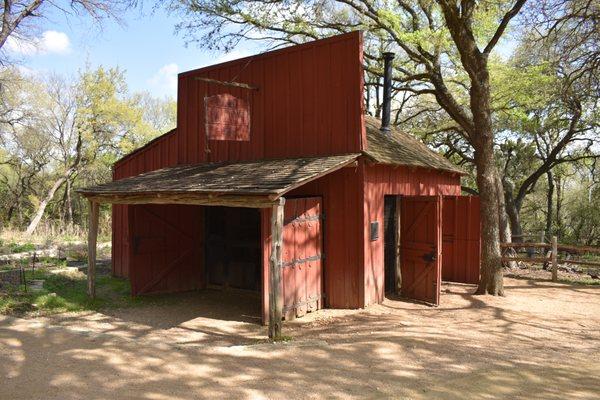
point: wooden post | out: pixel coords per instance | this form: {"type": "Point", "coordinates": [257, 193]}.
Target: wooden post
{"type": "Point", "coordinates": [398, 210]}
{"type": "Point", "coordinates": [554, 259]}
{"type": "Point", "coordinates": [275, 295]}
{"type": "Point", "coordinates": [92, 238]}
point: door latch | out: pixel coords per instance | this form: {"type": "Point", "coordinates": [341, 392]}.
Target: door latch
{"type": "Point", "coordinates": [430, 257]}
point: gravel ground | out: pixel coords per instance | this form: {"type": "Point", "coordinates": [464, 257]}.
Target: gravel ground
{"type": "Point", "coordinates": [539, 342]}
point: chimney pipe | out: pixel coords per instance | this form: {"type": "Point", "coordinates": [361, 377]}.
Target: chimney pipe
{"type": "Point", "coordinates": [387, 91]}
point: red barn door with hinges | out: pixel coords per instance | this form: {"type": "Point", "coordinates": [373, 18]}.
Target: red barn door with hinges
{"type": "Point", "coordinates": [166, 243]}
{"type": "Point", "coordinates": [420, 242]}
{"type": "Point", "coordinates": [461, 232]}
{"type": "Point", "coordinates": [302, 257]}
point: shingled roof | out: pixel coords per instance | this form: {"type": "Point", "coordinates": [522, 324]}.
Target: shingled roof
{"type": "Point", "coordinates": [262, 178]}
{"type": "Point", "coordinates": [399, 148]}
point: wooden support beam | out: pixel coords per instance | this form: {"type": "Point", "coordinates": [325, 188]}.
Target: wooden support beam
{"type": "Point", "coordinates": [554, 259]}
{"type": "Point", "coordinates": [519, 245]}
{"type": "Point", "coordinates": [275, 294]}
{"type": "Point", "coordinates": [526, 259]}
{"type": "Point", "coordinates": [92, 238]}
{"type": "Point", "coordinates": [397, 216]}
{"type": "Point", "coordinates": [191, 199]}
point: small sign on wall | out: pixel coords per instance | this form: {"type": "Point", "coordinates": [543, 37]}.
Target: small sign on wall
{"type": "Point", "coordinates": [374, 234]}
{"type": "Point", "coordinates": [227, 117]}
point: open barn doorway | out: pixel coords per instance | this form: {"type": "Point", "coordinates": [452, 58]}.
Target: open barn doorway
{"type": "Point", "coordinates": [427, 238]}
{"type": "Point", "coordinates": [232, 253]}
{"type": "Point", "coordinates": [391, 245]}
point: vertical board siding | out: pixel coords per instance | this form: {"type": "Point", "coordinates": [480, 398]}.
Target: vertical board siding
{"type": "Point", "coordinates": [461, 231]}
{"type": "Point", "coordinates": [381, 180]}
{"type": "Point", "coordinates": [166, 248]}
{"type": "Point", "coordinates": [341, 197]}
{"type": "Point", "coordinates": [341, 194]}
{"type": "Point", "coordinates": [308, 103]}
{"type": "Point", "coordinates": [160, 153]}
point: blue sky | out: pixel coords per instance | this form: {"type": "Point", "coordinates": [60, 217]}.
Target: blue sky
{"type": "Point", "coordinates": [146, 48]}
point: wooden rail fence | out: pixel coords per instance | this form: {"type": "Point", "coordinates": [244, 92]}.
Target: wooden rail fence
{"type": "Point", "coordinates": [551, 256]}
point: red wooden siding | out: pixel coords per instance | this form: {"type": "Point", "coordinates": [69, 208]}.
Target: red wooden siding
{"type": "Point", "coordinates": [165, 248]}
{"type": "Point", "coordinates": [381, 180]}
{"type": "Point", "coordinates": [342, 220]}
{"type": "Point", "coordinates": [160, 153]}
{"type": "Point", "coordinates": [308, 103]}
{"type": "Point", "coordinates": [461, 239]}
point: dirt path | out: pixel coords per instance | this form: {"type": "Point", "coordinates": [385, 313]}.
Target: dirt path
{"type": "Point", "coordinates": [542, 341]}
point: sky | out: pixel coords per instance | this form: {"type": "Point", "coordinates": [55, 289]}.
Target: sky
{"type": "Point", "coordinates": [146, 48]}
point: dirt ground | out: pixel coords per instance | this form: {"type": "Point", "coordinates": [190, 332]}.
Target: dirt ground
{"type": "Point", "coordinates": [542, 341]}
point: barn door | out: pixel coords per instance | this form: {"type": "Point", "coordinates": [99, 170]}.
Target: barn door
{"type": "Point", "coordinates": [302, 257]}
{"type": "Point", "coordinates": [420, 240]}
{"type": "Point", "coordinates": [461, 232]}
{"type": "Point", "coordinates": [165, 248]}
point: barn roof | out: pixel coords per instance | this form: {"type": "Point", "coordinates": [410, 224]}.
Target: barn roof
{"type": "Point", "coordinates": [400, 148]}
{"type": "Point", "coordinates": [197, 184]}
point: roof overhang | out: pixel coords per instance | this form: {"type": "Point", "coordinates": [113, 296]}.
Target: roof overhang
{"type": "Point", "coordinates": [256, 184]}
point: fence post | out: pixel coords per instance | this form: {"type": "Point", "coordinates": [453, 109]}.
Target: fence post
{"type": "Point", "coordinates": [554, 259]}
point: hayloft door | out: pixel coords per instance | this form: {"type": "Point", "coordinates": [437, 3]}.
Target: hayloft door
{"type": "Point", "coordinates": [421, 248]}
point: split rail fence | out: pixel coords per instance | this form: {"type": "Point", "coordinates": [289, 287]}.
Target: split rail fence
{"type": "Point", "coordinates": [548, 253]}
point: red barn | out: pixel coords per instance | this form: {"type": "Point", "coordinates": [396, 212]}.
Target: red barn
{"type": "Point", "coordinates": [276, 178]}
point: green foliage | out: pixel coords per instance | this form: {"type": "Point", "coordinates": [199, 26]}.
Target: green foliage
{"type": "Point", "coordinates": [80, 127]}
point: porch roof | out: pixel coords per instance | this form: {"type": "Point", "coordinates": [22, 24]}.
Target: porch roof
{"type": "Point", "coordinates": [247, 183]}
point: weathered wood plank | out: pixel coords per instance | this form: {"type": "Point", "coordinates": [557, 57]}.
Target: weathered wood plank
{"type": "Point", "coordinates": [398, 244]}
{"type": "Point", "coordinates": [554, 257]}
{"type": "Point", "coordinates": [92, 238]}
{"type": "Point", "coordinates": [275, 295]}
{"type": "Point", "coordinates": [228, 201]}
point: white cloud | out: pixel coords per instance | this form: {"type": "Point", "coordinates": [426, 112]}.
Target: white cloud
{"type": "Point", "coordinates": [164, 81]}
{"type": "Point", "coordinates": [50, 42]}
{"type": "Point", "coordinates": [55, 42]}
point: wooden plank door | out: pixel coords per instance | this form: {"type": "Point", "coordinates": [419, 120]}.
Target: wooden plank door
{"type": "Point", "coordinates": [461, 233]}
{"type": "Point", "coordinates": [420, 240]}
{"type": "Point", "coordinates": [302, 257]}
{"type": "Point", "coordinates": [165, 248]}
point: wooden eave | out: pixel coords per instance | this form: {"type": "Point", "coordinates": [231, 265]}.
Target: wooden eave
{"type": "Point", "coordinates": [256, 184]}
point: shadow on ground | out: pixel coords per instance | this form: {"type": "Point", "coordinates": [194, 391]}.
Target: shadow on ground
{"type": "Point", "coordinates": [541, 341]}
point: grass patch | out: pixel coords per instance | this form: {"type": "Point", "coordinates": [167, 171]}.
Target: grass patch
{"type": "Point", "coordinates": [14, 247]}
{"type": "Point", "coordinates": [67, 292]}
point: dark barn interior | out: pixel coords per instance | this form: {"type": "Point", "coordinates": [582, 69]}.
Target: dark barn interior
{"type": "Point", "coordinates": [233, 248]}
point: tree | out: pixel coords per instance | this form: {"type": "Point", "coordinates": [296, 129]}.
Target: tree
{"type": "Point", "coordinates": [438, 41]}
{"type": "Point", "coordinates": [570, 29]}
{"type": "Point", "coordinates": [25, 148]}
{"type": "Point", "coordinates": [85, 121]}
{"type": "Point", "coordinates": [19, 17]}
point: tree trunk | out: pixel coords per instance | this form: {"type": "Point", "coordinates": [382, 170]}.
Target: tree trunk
{"type": "Point", "coordinates": [42, 207]}
{"type": "Point", "coordinates": [69, 205]}
{"type": "Point", "coordinates": [513, 213]}
{"type": "Point", "coordinates": [559, 225]}
{"type": "Point", "coordinates": [491, 281]}
{"type": "Point", "coordinates": [505, 235]}
{"type": "Point", "coordinates": [549, 205]}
